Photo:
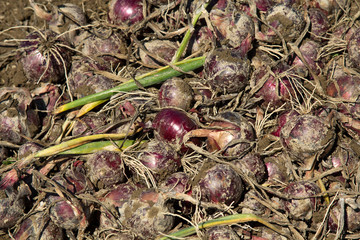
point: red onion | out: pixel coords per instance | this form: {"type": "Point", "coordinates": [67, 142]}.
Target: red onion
{"type": "Point", "coordinates": [46, 57]}
{"type": "Point", "coordinates": [200, 39]}
{"type": "Point", "coordinates": [127, 12]}
{"type": "Point", "coordinates": [146, 214]}
{"type": "Point", "coordinates": [18, 118]}
{"type": "Point", "coordinates": [160, 158]}
{"type": "Point", "coordinates": [73, 179]}
{"type": "Point", "coordinates": [252, 166]}
{"type": "Point", "coordinates": [301, 208]}
{"type": "Point", "coordinates": [172, 125]}
{"type": "Point", "coordinates": [84, 80]}
{"type": "Point", "coordinates": [227, 70]}
{"type": "Point", "coordinates": [252, 205]}
{"type": "Point", "coordinates": [276, 170]}
{"type": "Point", "coordinates": [275, 91]}
{"type": "Point", "coordinates": [286, 20]}
{"type": "Point", "coordinates": [305, 136]}
{"type": "Point", "coordinates": [345, 87]}
{"type": "Point", "coordinates": [13, 207]}
{"type": "Point", "coordinates": [235, 29]}
{"type": "Point", "coordinates": [282, 119]}
{"type": "Point", "coordinates": [221, 184]}
{"type": "Point", "coordinates": [115, 198]}
{"type": "Point", "coordinates": [38, 223]}
{"type": "Point", "coordinates": [319, 24]}
{"type": "Point", "coordinates": [103, 45]}
{"type": "Point", "coordinates": [105, 168]}
{"type": "Point", "coordinates": [28, 148]}
{"type": "Point", "coordinates": [309, 49]}
{"type": "Point", "coordinates": [351, 216]}
{"type": "Point", "coordinates": [66, 214]}
{"type": "Point", "coordinates": [162, 48]}
{"type": "Point", "coordinates": [176, 92]}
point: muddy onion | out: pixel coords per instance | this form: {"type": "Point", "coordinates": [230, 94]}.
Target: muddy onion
{"type": "Point", "coordinates": [252, 166]}
{"type": "Point", "coordinates": [105, 168]}
{"type": "Point", "coordinates": [353, 49]}
{"type": "Point", "coordinates": [176, 92]}
{"type": "Point", "coordinates": [126, 12]}
{"type": "Point", "coordinates": [160, 158]}
{"type": "Point", "coordinates": [161, 48]}
{"type": "Point", "coordinates": [305, 136]}
{"type": "Point", "coordinates": [45, 57]}
{"type": "Point", "coordinates": [301, 208]}
{"type": "Point", "coordinates": [227, 70]}
{"type": "Point", "coordinates": [146, 214]}
{"type": "Point", "coordinates": [286, 20]}
{"type": "Point", "coordinates": [18, 118]}
{"type": "Point", "coordinates": [221, 184]}
{"type": "Point", "coordinates": [221, 232]}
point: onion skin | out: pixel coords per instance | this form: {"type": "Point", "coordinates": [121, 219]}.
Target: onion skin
{"type": "Point", "coordinates": [283, 119]}
{"type": "Point", "coordinates": [227, 70]}
{"type": "Point", "coordinates": [319, 24]}
{"type": "Point", "coordinates": [305, 136]}
{"type": "Point", "coordinates": [162, 48]}
{"type": "Point", "coordinates": [301, 209]}
{"type": "Point", "coordinates": [221, 184]}
{"type": "Point", "coordinates": [236, 127]}
{"type": "Point", "coordinates": [175, 92]}
{"type": "Point", "coordinates": [36, 55]}
{"type": "Point", "coordinates": [126, 12]}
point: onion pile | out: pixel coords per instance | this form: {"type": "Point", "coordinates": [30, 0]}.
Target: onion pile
{"type": "Point", "coordinates": [156, 119]}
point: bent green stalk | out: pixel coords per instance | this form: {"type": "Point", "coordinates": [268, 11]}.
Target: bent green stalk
{"type": "Point", "coordinates": [148, 79]}
{"type": "Point", "coordinates": [231, 219]}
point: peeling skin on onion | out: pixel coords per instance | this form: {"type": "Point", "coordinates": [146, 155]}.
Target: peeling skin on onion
{"type": "Point", "coordinates": [175, 92]}
{"type": "Point", "coordinates": [227, 70]}
{"type": "Point", "coordinates": [306, 136]}
{"type": "Point", "coordinates": [309, 49]}
{"type": "Point", "coordinates": [301, 209]}
{"type": "Point", "coordinates": [319, 24]}
{"type": "Point", "coordinates": [221, 184]}
{"type": "Point", "coordinates": [44, 59]}
{"type": "Point", "coordinates": [282, 119]}
{"type": "Point", "coordinates": [105, 168]}
{"type": "Point", "coordinates": [346, 87]}
{"type": "Point", "coordinates": [352, 215]}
